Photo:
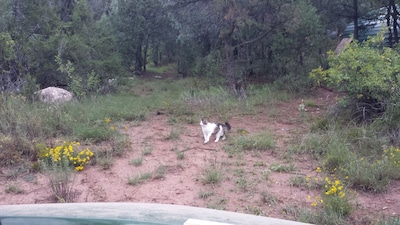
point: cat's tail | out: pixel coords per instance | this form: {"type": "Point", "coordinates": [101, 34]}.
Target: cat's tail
{"type": "Point", "coordinates": [228, 126]}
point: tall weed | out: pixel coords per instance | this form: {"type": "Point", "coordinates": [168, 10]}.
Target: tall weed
{"type": "Point", "coordinates": [22, 124]}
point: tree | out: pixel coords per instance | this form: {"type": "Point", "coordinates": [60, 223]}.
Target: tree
{"type": "Point", "coordinates": [275, 40]}
{"type": "Point", "coordinates": [66, 9]}
{"type": "Point", "coordinates": [392, 22]}
{"type": "Point", "coordinates": [252, 38]}
{"type": "Point", "coordinates": [210, 26]}
{"type": "Point", "coordinates": [137, 25]}
{"type": "Point", "coordinates": [31, 26]}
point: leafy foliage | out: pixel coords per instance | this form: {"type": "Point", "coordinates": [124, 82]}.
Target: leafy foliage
{"type": "Point", "coordinates": [368, 72]}
{"type": "Point", "coordinates": [232, 40]}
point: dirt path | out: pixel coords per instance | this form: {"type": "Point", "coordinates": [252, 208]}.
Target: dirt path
{"type": "Point", "coordinates": [247, 185]}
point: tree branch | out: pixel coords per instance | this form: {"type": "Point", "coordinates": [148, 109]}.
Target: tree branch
{"type": "Point", "coordinates": [251, 41]}
{"type": "Point", "coordinates": [184, 3]}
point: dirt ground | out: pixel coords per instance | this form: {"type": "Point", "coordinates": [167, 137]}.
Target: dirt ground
{"type": "Point", "coordinates": [246, 185]}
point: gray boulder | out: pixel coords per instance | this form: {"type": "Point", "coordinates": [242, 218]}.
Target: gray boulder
{"type": "Point", "coordinates": [54, 95]}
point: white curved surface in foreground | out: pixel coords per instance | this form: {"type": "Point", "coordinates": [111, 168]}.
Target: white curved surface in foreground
{"type": "Point", "coordinates": [138, 213]}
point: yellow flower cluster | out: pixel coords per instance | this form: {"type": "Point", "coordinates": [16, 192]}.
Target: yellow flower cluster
{"type": "Point", "coordinates": [334, 188]}
{"type": "Point", "coordinates": [317, 201]}
{"type": "Point", "coordinates": [393, 155]}
{"type": "Point", "coordinates": [108, 120]}
{"type": "Point", "coordinates": [65, 155]}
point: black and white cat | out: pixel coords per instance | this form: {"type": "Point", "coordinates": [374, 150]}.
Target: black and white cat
{"type": "Point", "coordinates": [211, 128]}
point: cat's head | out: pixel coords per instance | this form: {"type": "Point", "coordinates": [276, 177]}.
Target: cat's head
{"type": "Point", "coordinates": [203, 121]}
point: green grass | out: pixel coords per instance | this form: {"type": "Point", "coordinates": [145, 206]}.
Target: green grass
{"type": "Point", "coordinates": [298, 181]}
{"type": "Point", "coordinates": [119, 144]}
{"type": "Point", "coordinates": [213, 174]}
{"type": "Point", "coordinates": [388, 220]}
{"type": "Point", "coordinates": [24, 123]}
{"type": "Point", "coordinates": [259, 164]}
{"type": "Point", "coordinates": [255, 210]}
{"type": "Point", "coordinates": [147, 150]}
{"type": "Point", "coordinates": [160, 69]}
{"type": "Point", "coordinates": [137, 161]}
{"type": "Point", "coordinates": [180, 154]}
{"type": "Point", "coordinates": [265, 174]}
{"type": "Point", "coordinates": [94, 134]}
{"type": "Point", "coordinates": [14, 188]}
{"type": "Point", "coordinates": [160, 172]}
{"type": "Point", "coordinates": [104, 159]}
{"type": "Point", "coordinates": [61, 183]}
{"type": "Point", "coordinates": [174, 134]}
{"type": "Point", "coordinates": [205, 194]}
{"type": "Point", "coordinates": [219, 203]}
{"type": "Point", "coordinates": [139, 179]}
{"type": "Point", "coordinates": [259, 142]}
{"type": "Point", "coordinates": [268, 198]}
{"type": "Point", "coordinates": [282, 168]}
{"type": "Point", "coordinates": [355, 153]}
{"type": "Point", "coordinates": [242, 183]}
{"type": "Point", "coordinates": [310, 104]}
{"type": "Point", "coordinates": [239, 172]}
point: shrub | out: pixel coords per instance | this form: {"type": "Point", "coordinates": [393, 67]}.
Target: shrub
{"type": "Point", "coordinates": [14, 188]}
{"type": "Point", "coordinates": [137, 161]}
{"type": "Point", "coordinates": [104, 159]}
{"type": "Point", "coordinates": [212, 174]}
{"type": "Point", "coordinates": [139, 179]}
{"type": "Point", "coordinates": [65, 155]}
{"type": "Point", "coordinates": [334, 202]}
{"type": "Point", "coordinates": [160, 171]}
{"type": "Point", "coordinates": [61, 182]}
{"type": "Point", "coordinates": [368, 72]}
{"type": "Point", "coordinates": [373, 174]}
{"type": "Point", "coordinates": [119, 144]}
{"type": "Point", "coordinates": [335, 199]}
{"type": "Point", "coordinates": [205, 194]}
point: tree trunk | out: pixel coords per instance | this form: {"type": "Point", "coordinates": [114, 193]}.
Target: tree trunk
{"type": "Point", "coordinates": [389, 25]}
{"type": "Point", "coordinates": [229, 65]}
{"type": "Point", "coordinates": [235, 86]}
{"type": "Point", "coordinates": [145, 55]}
{"type": "Point", "coordinates": [138, 56]}
{"type": "Point", "coordinates": [155, 54]}
{"type": "Point", "coordinates": [395, 14]}
{"type": "Point", "coordinates": [355, 19]}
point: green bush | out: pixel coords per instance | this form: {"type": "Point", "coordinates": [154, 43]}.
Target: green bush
{"type": "Point", "coordinates": [373, 173]}
{"type": "Point", "coordinates": [367, 72]}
